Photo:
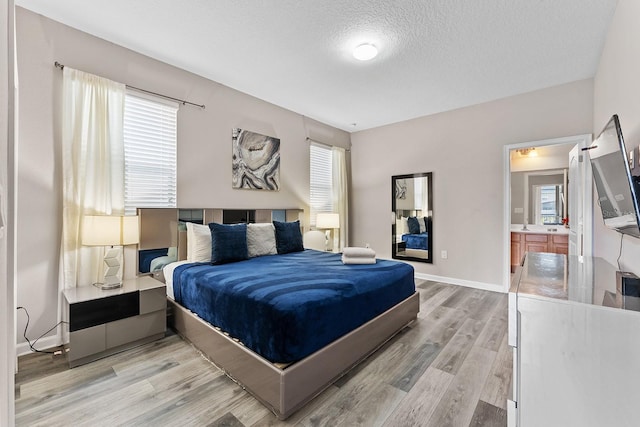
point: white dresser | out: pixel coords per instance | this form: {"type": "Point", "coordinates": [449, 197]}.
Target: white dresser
{"type": "Point", "coordinates": [576, 345]}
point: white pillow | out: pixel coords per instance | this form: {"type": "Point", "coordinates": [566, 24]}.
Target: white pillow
{"type": "Point", "coordinates": [198, 243]}
{"type": "Point", "coordinates": [403, 226]}
{"type": "Point", "coordinates": [423, 226]}
{"type": "Point", "coordinates": [261, 239]}
{"type": "Point", "coordinates": [173, 252]}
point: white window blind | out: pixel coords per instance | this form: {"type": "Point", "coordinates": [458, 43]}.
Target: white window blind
{"type": "Point", "coordinates": [320, 181]}
{"type": "Point", "coordinates": [150, 160]}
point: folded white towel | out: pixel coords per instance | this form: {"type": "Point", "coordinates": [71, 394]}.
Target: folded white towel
{"type": "Point", "coordinates": [357, 260]}
{"type": "Point", "coordinates": [355, 252]}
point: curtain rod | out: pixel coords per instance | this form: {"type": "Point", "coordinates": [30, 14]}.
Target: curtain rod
{"type": "Point", "coordinates": [325, 144]}
{"type": "Point", "coordinates": [181, 101]}
{"type": "Point", "coordinates": [318, 142]}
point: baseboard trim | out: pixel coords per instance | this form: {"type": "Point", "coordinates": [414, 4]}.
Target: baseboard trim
{"type": "Point", "coordinates": [42, 344]}
{"type": "Point", "coordinates": [461, 282]}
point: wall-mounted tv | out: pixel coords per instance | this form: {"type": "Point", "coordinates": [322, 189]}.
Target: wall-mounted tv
{"type": "Point", "coordinates": [617, 189]}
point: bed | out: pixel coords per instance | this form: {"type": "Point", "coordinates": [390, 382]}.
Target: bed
{"type": "Point", "coordinates": [252, 332]}
{"type": "Point", "coordinates": [413, 231]}
{"type": "Point", "coordinates": [151, 260]}
{"type": "Point", "coordinates": [416, 241]}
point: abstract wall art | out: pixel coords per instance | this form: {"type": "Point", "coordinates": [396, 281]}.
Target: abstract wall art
{"type": "Point", "coordinates": [256, 160]}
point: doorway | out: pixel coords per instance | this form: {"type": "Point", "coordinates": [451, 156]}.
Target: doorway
{"type": "Point", "coordinates": [578, 194]}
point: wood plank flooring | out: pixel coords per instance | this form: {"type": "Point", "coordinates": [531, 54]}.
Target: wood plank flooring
{"type": "Point", "coordinates": [452, 367]}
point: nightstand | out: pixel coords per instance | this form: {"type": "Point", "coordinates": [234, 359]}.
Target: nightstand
{"type": "Point", "coordinates": [104, 322]}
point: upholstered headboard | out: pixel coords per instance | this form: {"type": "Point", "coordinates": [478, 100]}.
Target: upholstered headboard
{"type": "Point", "coordinates": [163, 228]}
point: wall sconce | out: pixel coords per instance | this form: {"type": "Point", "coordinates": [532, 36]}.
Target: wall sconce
{"type": "Point", "coordinates": [114, 231]}
{"type": "Point", "coordinates": [528, 152]}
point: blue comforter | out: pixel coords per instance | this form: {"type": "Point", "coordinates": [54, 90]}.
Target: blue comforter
{"type": "Point", "coordinates": [285, 307]}
{"type": "Point", "coordinates": [147, 255]}
{"type": "Point", "coordinates": [416, 241]}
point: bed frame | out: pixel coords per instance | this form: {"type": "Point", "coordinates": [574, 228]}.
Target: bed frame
{"type": "Point", "coordinates": [281, 389]}
{"type": "Point", "coordinates": [285, 390]}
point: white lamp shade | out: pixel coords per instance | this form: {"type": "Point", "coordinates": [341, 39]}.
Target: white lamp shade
{"type": "Point", "coordinates": [104, 230]}
{"type": "Point", "coordinates": [328, 220]}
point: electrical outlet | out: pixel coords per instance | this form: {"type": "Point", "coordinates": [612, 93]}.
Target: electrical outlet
{"type": "Point", "coordinates": [444, 254]}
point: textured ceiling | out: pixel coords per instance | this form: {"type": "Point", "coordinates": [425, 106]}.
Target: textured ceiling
{"type": "Point", "coordinates": [435, 55]}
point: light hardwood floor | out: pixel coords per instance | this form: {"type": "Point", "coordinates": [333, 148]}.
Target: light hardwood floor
{"type": "Point", "coordinates": [452, 367]}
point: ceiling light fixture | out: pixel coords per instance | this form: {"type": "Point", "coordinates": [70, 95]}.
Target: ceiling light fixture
{"type": "Point", "coordinates": [365, 52]}
{"type": "Point", "coordinates": [530, 152]}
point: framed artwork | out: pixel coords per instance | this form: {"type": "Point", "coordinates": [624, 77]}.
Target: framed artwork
{"type": "Point", "coordinates": [256, 160]}
{"type": "Point", "coordinates": [401, 189]}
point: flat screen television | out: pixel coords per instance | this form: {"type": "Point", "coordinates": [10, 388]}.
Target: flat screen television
{"type": "Point", "coordinates": [617, 189]}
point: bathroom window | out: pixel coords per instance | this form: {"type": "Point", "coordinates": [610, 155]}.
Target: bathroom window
{"type": "Point", "coordinates": [548, 204]}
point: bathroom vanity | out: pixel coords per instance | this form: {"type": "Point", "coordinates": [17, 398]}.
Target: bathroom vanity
{"type": "Point", "coordinates": [537, 238]}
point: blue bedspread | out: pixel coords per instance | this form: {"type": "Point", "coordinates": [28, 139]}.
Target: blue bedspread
{"type": "Point", "coordinates": [146, 256]}
{"type": "Point", "coordinates": [285, 307]}
{"type": "Point", "coordinates": [416, 241]}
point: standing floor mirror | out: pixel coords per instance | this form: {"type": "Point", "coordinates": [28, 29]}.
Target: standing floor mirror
{"type": "Point", "coordinates": [412, 215]}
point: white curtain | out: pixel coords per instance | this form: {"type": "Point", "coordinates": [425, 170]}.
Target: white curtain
{"type": "Point", "coordinates": [425, 196]}
{"type": "Point", "coordinates": [340, 193]}
{"type": "Point", "coordinates": [93, 167]}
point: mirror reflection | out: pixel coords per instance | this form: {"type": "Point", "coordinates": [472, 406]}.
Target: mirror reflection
{"type": "Point", "coordinates": [538, 197]}
{"type": "Point", "coordinates": [163, 231]}
{"type": "Point", "coordinates": [412, 217]}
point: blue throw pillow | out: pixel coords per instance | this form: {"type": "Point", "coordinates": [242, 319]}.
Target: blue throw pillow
{"type": "Point", "coordinates": [414, 225]}
{"type": "Point", "coordinates": [228, 243]}
{"type": "Point", "coordinates": [288, 237]}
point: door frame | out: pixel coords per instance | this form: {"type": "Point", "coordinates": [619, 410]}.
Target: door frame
{"type": "Point", "coordinates": [8, 165]}
{"type": "Point", "coordinates": [584, 140]}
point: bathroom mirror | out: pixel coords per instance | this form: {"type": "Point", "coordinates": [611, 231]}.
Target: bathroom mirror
{"type": "Point", "coordinates": [538, 197]}
{"type": "Point", "coordinates": [412, 217]}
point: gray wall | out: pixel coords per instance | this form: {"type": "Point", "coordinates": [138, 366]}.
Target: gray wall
{"type": "Point", "coordinates": [204, 145]}
{"type": "Point", "coordinates": [517, 197]}
{"type": "Point", "coordinates": [464, 150]}
{"type": "Point", "coordinates": [616, 89]}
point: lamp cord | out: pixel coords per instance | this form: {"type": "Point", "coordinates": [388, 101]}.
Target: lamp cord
{"type": "Point", "coordinates": [31, 345]}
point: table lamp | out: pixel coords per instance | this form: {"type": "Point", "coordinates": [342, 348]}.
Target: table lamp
{"type": "Point", "coordinates": [328, 222]}
{"type": "Point", "coordinates": [106, 230]}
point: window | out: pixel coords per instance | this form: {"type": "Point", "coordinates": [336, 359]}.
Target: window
{"type": "Point", "coordinates": [320, 181]}
{"type": "Point", "coordinates": [150, 160]}
{"type": "Point", "coordinates": [548, 204]}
